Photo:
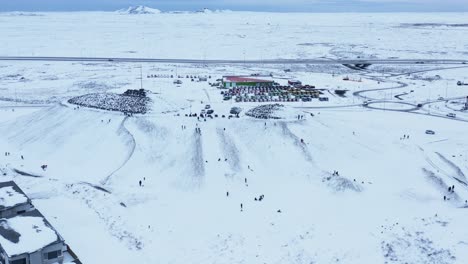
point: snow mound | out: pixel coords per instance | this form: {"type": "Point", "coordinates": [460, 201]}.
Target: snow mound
{"type": "Point", "coordinates": [139, 10]}
{"type": "Point", "coordinates": [340, 184]}
{"type": "Point", "coordinates": [113, 102]}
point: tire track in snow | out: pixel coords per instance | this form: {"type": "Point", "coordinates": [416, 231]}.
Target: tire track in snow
{"type": "Point", "coordinates": [297, 141]}
{"type": "Point", "coordinates": [132, 142]}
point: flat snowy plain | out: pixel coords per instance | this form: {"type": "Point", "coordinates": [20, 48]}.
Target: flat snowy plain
{"type": "Point", "coordinates": [386, 205]}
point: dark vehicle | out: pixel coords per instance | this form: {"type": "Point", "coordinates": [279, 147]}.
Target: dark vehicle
{"type": "Point", "coordinates": [323, 99]}
{"type": "Point", "coordinates": [341, 92]}
{"type": "Point", "coordinates": [430, 132]}
{"type": "Point", "coordinates": [451, 115]}
{"type": "Point", "coordinates": [211, 111]}
{"type": "Point", "coordinates": [235, 110]}
{"type": "Point", "coordinates": [420, 105]}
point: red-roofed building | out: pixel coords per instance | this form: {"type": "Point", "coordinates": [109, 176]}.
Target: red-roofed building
{"type": "Point", "coordinates": [235, 81]}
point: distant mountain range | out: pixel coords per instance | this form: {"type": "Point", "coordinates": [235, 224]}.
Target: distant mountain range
{"type": "Point", "coordinates": [144, 10]}
{"type": "Point", "coordinates": [139, 10]}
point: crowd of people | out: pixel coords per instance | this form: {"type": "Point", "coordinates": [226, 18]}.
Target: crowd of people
{"type": "Point", "coordinates": [127, 104]}
{"type": "Point", "coordinates": [264, 111]}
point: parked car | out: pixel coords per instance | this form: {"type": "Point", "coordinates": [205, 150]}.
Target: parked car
{"type": "Point", "coordinates": [207, 106]}
{"type": "Point", "coordinates": [451, 115]}
{"type": "Point", "coordinates": [430, 132]}
{"type": "Point", "coordinates": [211, 111]}
{"type": "Point", "coordinates": [235, 110]}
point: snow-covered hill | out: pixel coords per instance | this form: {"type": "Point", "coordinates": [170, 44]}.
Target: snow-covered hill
{"type": "Point", "coordinates": [341, 182]}
{"type": "Point", "coordinates": [139, 10]}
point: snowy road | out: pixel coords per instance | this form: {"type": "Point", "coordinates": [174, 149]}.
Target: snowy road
{"type": "Point", "coordinates": [262, 62]}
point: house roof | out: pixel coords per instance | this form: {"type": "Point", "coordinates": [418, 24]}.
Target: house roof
{"type": "Point", "coordinates": [238, 79]}
{"type": "Point", "coordinates": [26, 233]}
{"type": "Point", "coordinates": [11, 195]}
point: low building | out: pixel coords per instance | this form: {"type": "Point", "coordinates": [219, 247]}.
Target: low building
{"type": "Point", "coordinates": [13, 201]}
{"type": "Point", "coordinates": [29, 239]}
{"type": "Point", "coordinates": [26, 237]}
{"type": "Point", "coordinates": [236, 81]}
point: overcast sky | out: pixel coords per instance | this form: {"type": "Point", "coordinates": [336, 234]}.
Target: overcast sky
{"type": "Point", "coordinates": [253, 5]}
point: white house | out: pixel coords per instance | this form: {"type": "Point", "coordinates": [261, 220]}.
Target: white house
{"type": "Point", "coordinates": [26, 237]}
{"type": "Point", "coordinates": [12, 200]}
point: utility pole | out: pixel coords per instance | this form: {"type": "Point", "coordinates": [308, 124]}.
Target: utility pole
{"type": "Point", "coordinates": [446, 89]}
{"type": "Point", "coordinates": [141, 76]}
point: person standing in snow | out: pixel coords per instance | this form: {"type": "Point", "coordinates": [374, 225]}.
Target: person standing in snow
{"type": "Point", "coordinates": [242, 207]}
{"type": "Point", "coordinates": [140, 183]}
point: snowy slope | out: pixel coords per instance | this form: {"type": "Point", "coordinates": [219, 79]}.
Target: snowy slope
{"type": "Point", "coordinates": [386, 205]}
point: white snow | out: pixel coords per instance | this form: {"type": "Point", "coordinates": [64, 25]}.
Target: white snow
{"type": "Point", "coordinates": [34, 234]}
{"type": "Point", "coordinates": [9, 197]}
{"type": "Point", "coordinates": [386, 205]}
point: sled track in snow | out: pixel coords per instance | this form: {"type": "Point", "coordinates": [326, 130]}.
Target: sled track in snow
{"type": "Point", "coordinates": [198, 163]}
{"type": "Point", "coordinates": [297, 141]}
{"type": "Point", "coordinates": [441, 185]}
{"type": "Point", "coordinates": [230, 150]}
{"type": "Point", "coordinates": [122, 129]}
{"type": "Point", "coordinates": [453, 166]}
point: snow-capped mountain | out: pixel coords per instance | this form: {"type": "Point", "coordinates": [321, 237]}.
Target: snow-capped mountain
{"type": "Point", "coordinates": [139, 10]}
{"type": "Point", "coordinates": [210, 11]}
